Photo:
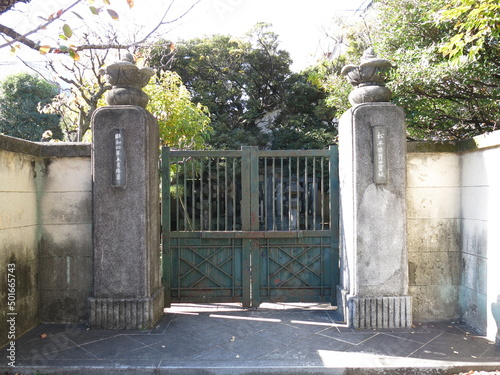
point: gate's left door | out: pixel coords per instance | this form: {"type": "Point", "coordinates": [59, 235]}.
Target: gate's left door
{"type": "Point", "coordinates": [203, 260]}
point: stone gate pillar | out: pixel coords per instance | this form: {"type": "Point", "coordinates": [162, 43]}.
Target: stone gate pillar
{"type": "Point", "coordinates": [373, 292]}
{"type": "Point", "coordinates": [126, 222]}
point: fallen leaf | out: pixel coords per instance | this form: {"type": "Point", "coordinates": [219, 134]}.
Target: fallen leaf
{"type": "Point", "coordinates": [43, 335]}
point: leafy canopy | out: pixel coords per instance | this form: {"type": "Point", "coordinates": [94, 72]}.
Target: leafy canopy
{"type": "Point", "coordinates": [442, 98]}
{"type": "Point", "coordinates": [20, 97]}
{"type": "Point", "coordinates": [244, 83]}
{"type": "Point", "coordinates": [477, 27]}
{"type": "Point", "coordinates": [183, 124]}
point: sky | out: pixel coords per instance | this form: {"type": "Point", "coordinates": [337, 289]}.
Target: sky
{"type": "Point", "coordinates": [302, 25]}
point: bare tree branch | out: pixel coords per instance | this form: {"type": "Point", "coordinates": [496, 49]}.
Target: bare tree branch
{"type": "Point", "coordinates": [16, 37]}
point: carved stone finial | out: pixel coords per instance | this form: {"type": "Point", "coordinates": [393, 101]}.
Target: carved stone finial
{"type": "Point", "coordinates": [368, 79]}
{"type": "Point", "coordinates": [126, 81]}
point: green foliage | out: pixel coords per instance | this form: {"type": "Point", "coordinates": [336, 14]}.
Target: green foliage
{"type": "Point", "coordinates": [477, 27]}
{"type": "Point", "coordinates": [20, 97]}
{"type": "Point", "coordinates": [242, 81]}
{"type": "Point", "coordinates": [442, 99]}
{"type": "Point", "coordinates": [182, 123]}
{"type": "Point", "coordinates": [305, 121]}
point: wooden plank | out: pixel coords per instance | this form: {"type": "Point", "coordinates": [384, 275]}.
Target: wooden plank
{"type": "Point", "coordinates": [246, 272]}
{"type": "Point", "coordinates": [334, 221]}
{"type": "Point", "coordinates": [292, 153]}
{"type": "Point", "coordinates": [205, 153]}
{"type": "Point", "coordinates": [245, 188]}
{"type": "Point", "coordinates": [165, 222]}
{"type": "Point", "coordinates": [254, 189]}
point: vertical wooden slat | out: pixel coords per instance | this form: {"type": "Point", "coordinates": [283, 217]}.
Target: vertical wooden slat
{"type": "Point", "coordinates": [193, 200]}
{"type": "Point", "coordinates": [201, 195]}
{"type": "Point", "coordinates": [165, 222]}
{"type": "Point", "coordinates": [177, 197]}
{"type": "Point", "coordinates": [289, 192]}
{"type": "Point", "coordinates": [254, 189]}
{"type": "Point", "coordinates": [245, 182]}
{"type": "Point", "coordinates": [281, 195]}
{"type": "Point", "coordinates": [314, 193]}
{"type": "Point", "coordinates": [184, 196]}
{"type": "Point", "coordinates": [334, 218]}
{"type": "Point", "coordinates": [298, 193]}
{"type": "Point", "coordinates": [218, 196]}
{"type": "Point", "coordinates": [306, 193]}
{"type": "Point", "coordinates": [234, 193]}
{"type": "Point", "coordinates": [265, 213]}
{"type": "Point", "coordinates": [209, 184]}
{"type": "Point", "coordinates": [322, 194]}
{"type": "Point", "coordinates": [226, 191]}
{"type": "Point", "coordinates": [273, 193]}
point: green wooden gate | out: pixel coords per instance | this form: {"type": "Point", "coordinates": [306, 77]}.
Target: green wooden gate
{"type": "Point", "coordinates": [250, 226]}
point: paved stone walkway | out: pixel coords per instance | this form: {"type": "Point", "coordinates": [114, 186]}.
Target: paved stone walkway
{"type": "Point", "coordinates": [274, 339]}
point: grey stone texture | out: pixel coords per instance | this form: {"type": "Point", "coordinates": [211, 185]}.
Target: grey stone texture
{"type": "Point", "coordinates": [126, 81]}
{"type": "Point", "coordinates": [374, 262]}
{"type": "Point", "coordinates": [127, 279]}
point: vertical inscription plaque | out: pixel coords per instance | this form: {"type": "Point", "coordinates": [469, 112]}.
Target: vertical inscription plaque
{"type": "Point", "coordinates": [119, 172]}
{"type": "Point", "coordinates": [380, 154]}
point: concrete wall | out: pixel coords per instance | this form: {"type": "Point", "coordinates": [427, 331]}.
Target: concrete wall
{"type": "Point", "coordinates": [19, 239]}
{"type": "Point", "coordinates": [453, 236]}
{"type": "Point", "coordinates": [45, 230]}
{"type": "Point", "coordinates": [433, 240]}
{"type": "Point", "coordinates": [480, 211]}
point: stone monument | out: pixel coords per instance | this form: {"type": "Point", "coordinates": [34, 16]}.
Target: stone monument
{"type": "Point", "coordinates": [373, 290]}
{"type": "Point", "coordinates": [125, 150]}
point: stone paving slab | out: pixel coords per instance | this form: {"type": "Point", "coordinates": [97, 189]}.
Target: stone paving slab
{"type": "Point", "coordinates": [274, 339]}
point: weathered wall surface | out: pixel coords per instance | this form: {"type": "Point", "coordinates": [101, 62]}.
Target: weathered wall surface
{"type": "Point", "coordinates": [433, 239]}
{"type": "Point", "coordinates": [66, 254]}
{"type": "Point", "coordinates": [19, 238]}
{"type": "Point", "coordinates": [453, 235]}
{"type": "Point", "coordinates": [480, 204]}
{"type": "Point", "coordinates": [45, 231]}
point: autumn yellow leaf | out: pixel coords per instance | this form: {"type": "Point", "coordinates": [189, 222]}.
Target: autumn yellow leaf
{"type": "Point", "coordinates": [44, 50]}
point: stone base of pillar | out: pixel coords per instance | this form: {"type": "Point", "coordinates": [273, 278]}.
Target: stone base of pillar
{"type": "Point", "coordinates": [342, 295]}
{"type": "Point", "coordinates": [380, 312]}
{"type": "Point", "coordinates": [126, 313]}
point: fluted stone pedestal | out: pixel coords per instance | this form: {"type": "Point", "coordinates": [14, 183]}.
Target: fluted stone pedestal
{"type": "Point", "coordinates": [127, 281]}
{"type": "Point", "coordinates": [374, 267]}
